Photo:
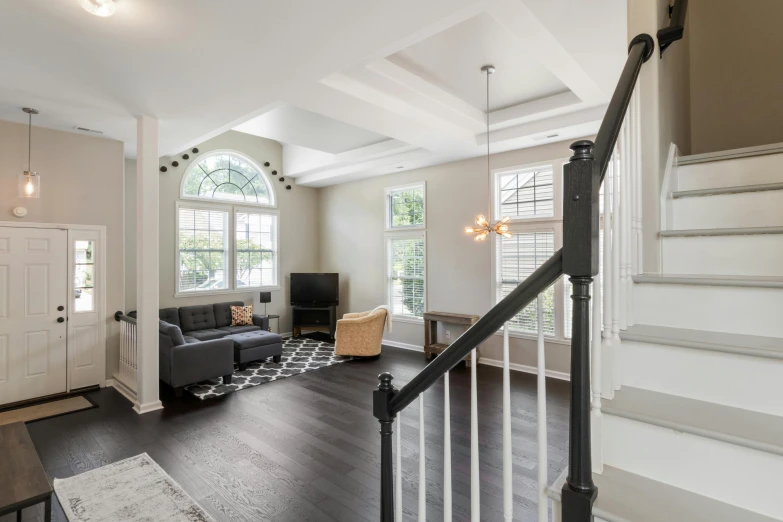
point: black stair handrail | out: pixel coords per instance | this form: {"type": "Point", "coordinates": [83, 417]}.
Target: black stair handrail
{"type": "Point", "coordinates": [676, 29]}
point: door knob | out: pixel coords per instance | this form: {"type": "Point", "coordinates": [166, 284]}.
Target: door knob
{"type": "Point", "coordinates": [60, 308]}
{"type": "Point", "coordinates": [61, 319]}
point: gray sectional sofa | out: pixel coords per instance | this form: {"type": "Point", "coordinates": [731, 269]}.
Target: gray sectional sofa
{"type": "Point", "coordinates": [198, 343]}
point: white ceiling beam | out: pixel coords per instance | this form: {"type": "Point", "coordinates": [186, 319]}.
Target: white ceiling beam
{"type": "Point", "coordinates": [376, 166]}
{"type": "Point", "coordinates": [515, 16]}
{"type": "Point", "coordinates": [536, 110]}
{"type": "Point", "coordinates": [300, 161]}
{"type": "Point", "coordinates": [535, 128]}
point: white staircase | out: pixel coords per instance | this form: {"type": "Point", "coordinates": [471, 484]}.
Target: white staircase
{"type": "Point", "coordinates": [694, 428]}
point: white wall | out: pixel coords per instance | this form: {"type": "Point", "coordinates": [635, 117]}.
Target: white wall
{"type": "Point", "coordinates": [299, 240]}
{"type": "Point", "coordinates": [81, 183]}
{"type": "Point", "coordinates": [736, 74]}
{"type": "Point", "coordinates": [459, 276]}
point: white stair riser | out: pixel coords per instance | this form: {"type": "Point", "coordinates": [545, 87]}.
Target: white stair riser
{"type": "Point", "coordinates": [748, 209]}
{"type": "Point", "coordinates": [755, 170]}
{"type": "Point", "coordinates": [730, 473]}
{"type": "Point", "coordinates": [742, 310]}
{"type": "Point", "coordinates": [740, 381]}
{"type": "Point", "coordinates": [752, 255]}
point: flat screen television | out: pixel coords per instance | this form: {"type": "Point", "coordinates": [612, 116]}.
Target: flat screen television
{"type": "Point", "coordinates": [315, 290]}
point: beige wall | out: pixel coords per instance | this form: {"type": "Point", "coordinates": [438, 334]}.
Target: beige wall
{"type": "Point", "coordinates": [736, 73]}
{"type": "Point", "coordinates": [80, 177]}
{"type": "Point", "coordinates": [298, 209]}
{"type": "Point", "coordinates": [458, 269]}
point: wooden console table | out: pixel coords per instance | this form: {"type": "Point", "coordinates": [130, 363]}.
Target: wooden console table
{"type": "Point", "coordinates": [431, 320]}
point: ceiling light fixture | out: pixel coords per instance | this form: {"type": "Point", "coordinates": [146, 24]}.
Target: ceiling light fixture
{"type": "Point", "coordinates": [102, 8]}
{"type": "Point", "coordinates": [483, 227]}
{"type": "Point", "coordinates": [29, 181]}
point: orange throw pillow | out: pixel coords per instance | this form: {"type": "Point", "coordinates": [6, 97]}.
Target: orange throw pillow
{"type": "Point", "coordinates": [241, 315]}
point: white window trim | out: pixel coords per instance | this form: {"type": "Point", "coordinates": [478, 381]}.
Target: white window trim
{"type": "Point", "coordinates": [544, 224]}
{"type": "Point", "coordinates": [404, 234]}
{"type": "Point", "coordinates": [262, 170]}
{"type": "Point", "coordinates": [231, 264]}
{"type": "Point", "coordinates": [388, 191]}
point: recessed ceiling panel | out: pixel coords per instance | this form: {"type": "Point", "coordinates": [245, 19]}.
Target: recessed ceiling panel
{"type": "Point", "coordinates": [295, 126]}
{"type": "Point", "coordinates": [452, 60]}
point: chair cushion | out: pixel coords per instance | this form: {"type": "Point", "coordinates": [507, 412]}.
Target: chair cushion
{"type": "Point", "coordinates": [253, 339]}
{"type": "Point", "coordinates": [170, 315]}
{"type": "Point", "coordinates": [222, 313]}
{"type": "Point", "coordinates": [208, 334]}
{"type": "Point", "coordinates": [240, 329]}
{"type": "Point", "coordinates": [201, 317]}
{"type": "Point", "coordinates": [172, 331]}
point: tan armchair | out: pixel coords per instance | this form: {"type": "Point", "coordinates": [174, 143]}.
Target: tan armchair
{"type": "Point", "coordinates": [360, 334]}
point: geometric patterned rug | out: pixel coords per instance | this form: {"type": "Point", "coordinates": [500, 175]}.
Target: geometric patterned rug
{"type": "Point", "coordinates": [300, 355]}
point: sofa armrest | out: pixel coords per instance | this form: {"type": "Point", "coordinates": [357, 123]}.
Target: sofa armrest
{"type": "Point", "coordinates": [262, 321]}
{"type": "Point", "coordinates": [195, 362]}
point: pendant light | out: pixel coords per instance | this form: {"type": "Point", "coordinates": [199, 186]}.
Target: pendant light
{"type": "Point", "coordinates": [102, 8]}
{"type": "Point", "coordinates": [483, 227]}
{"type": "Point", "coordinates": [29, 181]}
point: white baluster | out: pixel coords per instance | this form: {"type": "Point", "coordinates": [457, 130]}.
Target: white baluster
{"type": "Point", "coordinates": [608, 275]}
{"type": "Point", "coordinates": [422, 465]}
{"type": "Point", "coordinates": [398, 477]}
{"type": "Point", "coordinates": [446, 450]}
{"type": "Point", "coordinates": [622, 148]}
{"type": "Point", "coordinates": [508, 489]}
{"type": "Point", "coordinates": [596, 371]}
{"type": "Point", "coordinates": [616, 183]}
{"type": "Point", "coordinates": [475, 489]}
{"type": "Point", "coordinates": [628, 145]}
{"type": "Point", "coordinates": [543, 502]}
{"type": "Point", "coordinates": [638, 174]}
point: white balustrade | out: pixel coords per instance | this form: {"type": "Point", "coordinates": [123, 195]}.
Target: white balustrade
{"type": "Point", "coordinates": [475, 489]}
{"type": "Point", "coordinates": [446, 449]}
{"type": "Point", "coordinates": [543, 502]}
{"type": "Point", "coordinates": [128, 353]}
{"type": "Point", "coordinates": [508, 488]}
{"type": "Point", "coordinates": [398, 468]}
{"type": "Point", "coordinates": [422, 465]}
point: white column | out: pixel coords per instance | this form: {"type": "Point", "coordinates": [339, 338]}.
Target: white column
{"type": "Point", "coordinates": [147, 289]}
{"type": "Point", "coordinates": [446, 451]}
{"type": "Point", "coordinates": [475, 487]}
{"type": "Point", "coordinates": [543, 480]}
{"type": "Point", "coordinates": [508, 488]}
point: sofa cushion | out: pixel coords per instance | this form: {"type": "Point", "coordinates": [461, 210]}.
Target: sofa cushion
{"type": "Point", "coordinates": [208, 334]}
{"type": "Point", "coordinates": [254, 339]}
{"type": "Point", "coordinates": [222, 313]}
{"type": "Point", "coordinates": [172, 331]}
{"type": "Point", "coordinates": [170, 315]}
{"type": "Point", "coordinates": [240, 329]}
{"type": "Point", "coordinates": [201, 317]}
{"type": "Point", "coordinates": [191, 340]}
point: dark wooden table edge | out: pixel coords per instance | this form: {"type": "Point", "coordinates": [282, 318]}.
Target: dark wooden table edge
{"type": "Point", "coordinates": [27, 503]}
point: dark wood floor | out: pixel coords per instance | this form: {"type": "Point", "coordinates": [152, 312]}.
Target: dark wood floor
{"type": "Point", "coordinates": [306, 448]}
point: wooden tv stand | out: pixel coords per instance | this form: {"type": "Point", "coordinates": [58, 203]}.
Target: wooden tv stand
{"type": "Point", "coordinates": [319, 318]}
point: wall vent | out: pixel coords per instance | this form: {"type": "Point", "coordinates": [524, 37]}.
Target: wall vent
{"type": "Point", "coordinates": [545, 137]}
{"type": "Point", "coordinates": [85, 129]}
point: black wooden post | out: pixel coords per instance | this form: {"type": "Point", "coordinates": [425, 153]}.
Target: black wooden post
{"type": "Point", "coordinates": [580, 261]}
{"type": "Point", "coordinates": [381, 399]}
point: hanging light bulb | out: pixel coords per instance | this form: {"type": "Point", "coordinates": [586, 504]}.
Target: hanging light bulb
{"type": "Point", "coordinates": [484, 226]}
{"type": "Point", "coordinates": [101, 8]}
{"type": "Point", "coordinates": [29, 181]}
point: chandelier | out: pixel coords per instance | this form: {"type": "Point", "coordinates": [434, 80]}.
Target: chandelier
{"type": "Point", "coordinates": [483, 227]}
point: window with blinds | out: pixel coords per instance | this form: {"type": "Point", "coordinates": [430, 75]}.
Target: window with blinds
{"type": "Point", "coordinates": [526, 193]}
{"type": "Point", "coordinates": [517, 258]}
{"type": "Point", "coordinates": [203, 249]}
{"type": "Point", "coordinates": [256, 249]}
{"type": "Point", "coordinates": [405, 268]}
{"type": "Point", "coordinates": [405, 206]}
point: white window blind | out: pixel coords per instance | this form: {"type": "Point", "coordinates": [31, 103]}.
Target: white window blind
{"type": "Point", "coordinates": [203, 249]}
{"type": "Point", "coordinates": [518, 257]}
{"type": "Point", "coordinates": [527, 193]}
{"type": "Point", "coordinates": [406, 275]}
{"type": "Point", "coordinates": [256, 249]}
{"type": "Point", "coordinates": [405, 206]}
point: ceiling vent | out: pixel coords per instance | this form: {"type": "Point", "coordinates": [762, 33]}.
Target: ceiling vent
{"type": "Point", "coordinates": [85, 129]}
{"type": "Point", "coordinates": [545, 137]}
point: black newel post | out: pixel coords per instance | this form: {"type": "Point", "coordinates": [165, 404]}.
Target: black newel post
{"type": "Point", "coordinates": [380, 406]}
{"type": "Point", "coordinates": [580, 261]}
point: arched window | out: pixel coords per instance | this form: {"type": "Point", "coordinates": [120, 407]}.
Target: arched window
{"type": "Point", "coordinates": [227, 176]}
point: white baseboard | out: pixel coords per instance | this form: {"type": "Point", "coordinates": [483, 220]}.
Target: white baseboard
{"type": "Point", "coordinates": [489, 362]}
{"type": "Point", "coordinates": [108, 383]}
{"type": "Point", "coordinates": [146, 408]}
{"type": "Point", "coordinates": [525, 368]}
{"type": "Point", "coordinates": [124, 390]}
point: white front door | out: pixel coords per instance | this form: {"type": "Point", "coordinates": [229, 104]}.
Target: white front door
{"type": "Point", "coordinates": [33, 312]}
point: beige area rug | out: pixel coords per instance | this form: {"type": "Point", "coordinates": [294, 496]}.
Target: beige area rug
{"type": "Point", "coordinates": [131, 490]}
{"type": "Point", "coordinates": [45, 410]}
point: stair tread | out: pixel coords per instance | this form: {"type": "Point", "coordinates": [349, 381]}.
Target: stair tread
{"type": "Point", "coordinates": [746, 152]}
{"type": "Point", "coordinates": [626, 497]}
{"type": "Point", "coordinates": [741, 189]}
{"type": "Point", "coordinates": [707, 340]}
{"type": "Point", "coordinates": [759, 431]}
{"type": "Point", "coordinates": [711, 280]}
{"type": "Point", "coordinates": [721, 231]}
